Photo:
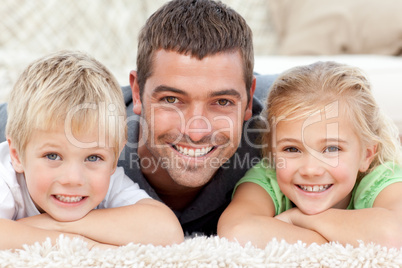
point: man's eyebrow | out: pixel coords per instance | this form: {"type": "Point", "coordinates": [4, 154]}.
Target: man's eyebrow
{"type": "Point", "coordinates": [226, 92]}
{"type": "Point", "coordinates": [163, 88]}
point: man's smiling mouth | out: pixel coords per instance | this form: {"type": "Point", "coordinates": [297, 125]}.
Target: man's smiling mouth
{"type": "Point", "coordinates": [191, 152]}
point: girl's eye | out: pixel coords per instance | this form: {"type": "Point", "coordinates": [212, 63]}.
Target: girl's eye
{"type": "Point", "coordinates": [331, 149]}
{"type": "Point", "coordinates": [93, 158]}
{"type": "Point", "coordinates": [291, 150]}
{"type": "Point", "coordinates": [53, 157]}
{"type": "Point", "coordinates": [223, 102]}
{"type": "Point", "coordinates": [170, 99]}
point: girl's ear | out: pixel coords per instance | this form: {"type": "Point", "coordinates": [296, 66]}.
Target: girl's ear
{"type": "Point", "coordinates": [15, 158]}
{"type": "Point", "coordinates": [370, 152]}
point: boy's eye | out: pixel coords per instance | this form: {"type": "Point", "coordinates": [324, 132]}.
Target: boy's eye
{"type": "Point", "coordinates": [93, 158]}
{"type": "Point", "coordinates": [170, 99]}
{"type": "Point", "coordinates": [53, 157]}
{"type": "Point", "coordinates": [331, 149]}
{"type": "Point", "coordinates": [223, 102]}
{"type": "Point", "coordinates": [291, 149]}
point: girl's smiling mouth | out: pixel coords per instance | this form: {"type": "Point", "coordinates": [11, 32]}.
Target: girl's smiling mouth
{"type": "Point", "coordinates": [314, 188]}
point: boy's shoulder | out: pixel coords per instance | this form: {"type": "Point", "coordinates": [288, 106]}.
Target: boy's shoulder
{"type": "Point", "coordinates": [8, 176]}
{"type": "Point", "coordinates": [6, 167]}
{"type": "Point", "coordinates": [3, 121]}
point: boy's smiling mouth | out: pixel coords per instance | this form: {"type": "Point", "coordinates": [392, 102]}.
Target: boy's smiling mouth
{"type": "Point", "coordinates": [69, 199]}
{"type": "Point", "coordinates": [314, 188]}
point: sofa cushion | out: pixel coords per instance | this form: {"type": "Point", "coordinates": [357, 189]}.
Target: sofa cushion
{"type": "Point", "coordinates": [324, 27]}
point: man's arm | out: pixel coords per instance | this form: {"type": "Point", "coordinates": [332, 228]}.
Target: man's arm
{"type": "Point", "coordinates": [147, 221]}
{"type": "Point", "coordinates": [250, 218]}
{"type": "Point", "coordinates": [381, 224]}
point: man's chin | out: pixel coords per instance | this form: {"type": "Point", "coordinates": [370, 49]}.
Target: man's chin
{"type": "Point", "coordinates": [192, 177]}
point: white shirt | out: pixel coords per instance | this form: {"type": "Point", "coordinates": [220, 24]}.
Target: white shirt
{"type": "Point", "coordinates": [16, 203]}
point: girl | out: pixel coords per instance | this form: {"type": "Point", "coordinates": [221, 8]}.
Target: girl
{"type": "Point", "coordinates": [336, 174]}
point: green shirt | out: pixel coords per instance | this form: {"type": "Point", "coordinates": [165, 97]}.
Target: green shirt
{"type": "Point", "coordinates": [363, 195]}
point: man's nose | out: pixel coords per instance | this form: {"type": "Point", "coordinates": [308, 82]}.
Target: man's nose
{"type": "Point", "coordinates": [198, 124]}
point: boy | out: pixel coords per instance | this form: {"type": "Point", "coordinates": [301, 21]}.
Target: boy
{"type": "Point", "coordinates": [65, 130]}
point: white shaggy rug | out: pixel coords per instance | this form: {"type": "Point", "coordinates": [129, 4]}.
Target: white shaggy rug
{"type": "Point", "coordinates": [201, 252]}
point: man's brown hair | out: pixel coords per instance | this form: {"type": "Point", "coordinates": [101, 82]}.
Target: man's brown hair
{"type": "Point", "coordinates": [199, 28]}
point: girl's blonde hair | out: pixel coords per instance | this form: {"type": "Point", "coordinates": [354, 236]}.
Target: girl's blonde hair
{"type": "Point", "coordinates": [70, 89]}
{"type": "Point", "coordinates": [306, 89]}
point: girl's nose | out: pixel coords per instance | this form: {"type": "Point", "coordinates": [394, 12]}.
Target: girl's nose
{"type": "Point", "coordinates": [312, 167]}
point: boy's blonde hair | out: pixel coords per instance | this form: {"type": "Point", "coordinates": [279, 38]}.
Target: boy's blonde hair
{"type": "Point", "coordinates": [307, 89]}
{"type": "Point", "coordinates": [67, 89]}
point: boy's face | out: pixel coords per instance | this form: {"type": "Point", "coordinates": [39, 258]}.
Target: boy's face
{"type": "Point", "coordinates": [65, 180]}
{"type": "Point", "coordinates": [318, 159]}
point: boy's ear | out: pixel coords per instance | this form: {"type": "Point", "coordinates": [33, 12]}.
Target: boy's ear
{"type": "Point", "coordinates": [135, 91]}
{"type": "Point", "coordinates": [15, 158]}
{"type": "Point", "coordinates": [249, 109]}
{"type": "Point", "coordinates": [113, 170]}
{"type": "Point", "coordinates": [370, 153]}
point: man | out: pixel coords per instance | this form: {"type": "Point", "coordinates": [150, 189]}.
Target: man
{"type": "Point", "coordinates": [191, 110]}
{"type": "Point", "coordinates": [194, 89]}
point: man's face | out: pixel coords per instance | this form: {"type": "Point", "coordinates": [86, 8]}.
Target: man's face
{"type": "Point", "coordinates": [193, 113]}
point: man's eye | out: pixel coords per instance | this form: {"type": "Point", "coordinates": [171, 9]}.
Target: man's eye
{"type": "Point", "coordinates": [171, 99]}
{"type": "Point", "coordinates": [331, 149]}
{"type": "Point", "coordinates": [223, 102]}
{"type": "Point", "coordinates": [291, 150]}
{"type": "Point", "coordinates": [93, 158]}
{"type": "Point", "coordinates": [53, 157]}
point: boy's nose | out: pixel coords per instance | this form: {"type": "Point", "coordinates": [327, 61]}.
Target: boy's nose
{"type": "Point", "coordinates": [73, 175]}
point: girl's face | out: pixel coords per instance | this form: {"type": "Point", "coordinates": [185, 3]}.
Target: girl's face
{"type": "Point", "coordinates": [318, 159]}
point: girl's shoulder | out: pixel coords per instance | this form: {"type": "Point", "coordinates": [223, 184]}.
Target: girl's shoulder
{"type": "Point", "coordinates": [264, 175]}
{"type": "Point", "coordinates": [260, 173]}
{"type": "Point", "coordinates": [373, 183]}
